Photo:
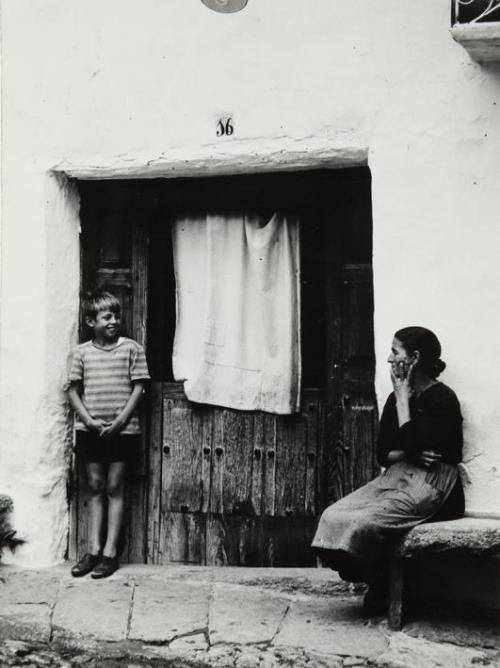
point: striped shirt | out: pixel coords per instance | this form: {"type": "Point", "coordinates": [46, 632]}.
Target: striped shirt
{"type": "Point", "coordinates": [107, 376]}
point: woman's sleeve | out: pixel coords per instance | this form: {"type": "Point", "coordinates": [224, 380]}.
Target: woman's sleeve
{"type": "Point", "coordinates": [435, 425]}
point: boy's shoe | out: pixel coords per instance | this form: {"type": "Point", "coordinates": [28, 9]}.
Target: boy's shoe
{"type": "Point", "coordinates": [86, 564]}
{"type": "Point", "coordinates": [106, 567]}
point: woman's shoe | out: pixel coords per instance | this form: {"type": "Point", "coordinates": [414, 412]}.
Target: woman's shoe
{"type": "Point", "coordinates": [86, 564]}
{"type": "Point", "coordinates": [106, 567]}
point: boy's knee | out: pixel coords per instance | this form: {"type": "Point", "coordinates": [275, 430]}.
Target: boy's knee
{"type": "Point", "coordinates": [96, 484]}
{"type": "Point", "coordinates": [114, 487]}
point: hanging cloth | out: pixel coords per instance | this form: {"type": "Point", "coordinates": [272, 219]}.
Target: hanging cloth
{"type": "Point", "coordinates": [237, 337]}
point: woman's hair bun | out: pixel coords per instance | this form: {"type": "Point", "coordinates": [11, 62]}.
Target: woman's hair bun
{"type": "Point", "coordinates": [439, 367]}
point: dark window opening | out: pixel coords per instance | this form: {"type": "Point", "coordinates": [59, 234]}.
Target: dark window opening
{"type": "Point", "coordinates": [113, 211]}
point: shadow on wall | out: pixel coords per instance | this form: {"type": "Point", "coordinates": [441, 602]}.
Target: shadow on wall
{"type": "Point", "coordinates": [455, 579]}
{"type": "Point", "coordinates": [491, 72]}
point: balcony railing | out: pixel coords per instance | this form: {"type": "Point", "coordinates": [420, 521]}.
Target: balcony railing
{"type": "Point", "coordinates": [475, 11]}
{"type": "Point", "coordinates": [475, 24]}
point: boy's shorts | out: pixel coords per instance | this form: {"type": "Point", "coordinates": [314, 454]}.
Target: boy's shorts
{"type": "Point", "coordinates": [119, 448]}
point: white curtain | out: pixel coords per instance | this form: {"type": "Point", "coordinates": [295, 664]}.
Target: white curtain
{"type": "Point", "coordinates": [237, 338]}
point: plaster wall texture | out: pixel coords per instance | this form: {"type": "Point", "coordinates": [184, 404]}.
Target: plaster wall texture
{"type": "Point", "coordinates": [96, 91]}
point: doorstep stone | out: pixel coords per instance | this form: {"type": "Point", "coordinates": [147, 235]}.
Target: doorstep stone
{"type": "Point", "coordinates": [333, 627]}
{"type": "Point", "coordinates": [242, 615]}
{"type": "Point", "coordinates": [29, 586]}
{"type": "Point", "coordinates": [166, 609]}
{"type": "Point", "coordinates": [96, 609]}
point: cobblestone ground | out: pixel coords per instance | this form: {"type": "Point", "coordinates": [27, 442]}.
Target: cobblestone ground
{"type": "Point", "coordinates": [19, 653]}
{"type": "Point", "coordinates": [405, 653]}
{"type": "Point", "coordinates": [219, 618]}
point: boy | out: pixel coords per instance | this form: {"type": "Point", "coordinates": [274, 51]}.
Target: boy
{"type": "Point", "coordinates": [106, 382]}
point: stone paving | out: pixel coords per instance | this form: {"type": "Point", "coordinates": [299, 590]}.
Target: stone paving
{"type": "Point", "coordinates": [237, 617]}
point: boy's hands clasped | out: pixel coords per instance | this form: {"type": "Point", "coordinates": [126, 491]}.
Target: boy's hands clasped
{"type": "Point", "coordinates": [96, 425]}
{"type": "Point", "coordinates": [112, 428]}
{"type": "Point", "coordinates": [105, 429]}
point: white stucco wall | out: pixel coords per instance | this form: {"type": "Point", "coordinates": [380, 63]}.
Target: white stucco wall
{"type": "Point", "coordinates": [105, 88]}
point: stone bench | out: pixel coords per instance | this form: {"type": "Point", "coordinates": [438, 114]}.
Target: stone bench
{"type": "Point", "coordinates": [469, 537]}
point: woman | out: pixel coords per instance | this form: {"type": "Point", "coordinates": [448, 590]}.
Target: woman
{"type": "Point", "coordinates": [420, 444]}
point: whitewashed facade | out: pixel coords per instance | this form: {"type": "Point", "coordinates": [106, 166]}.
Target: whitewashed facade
{"type": "Point", "coordinates": [104, 89]}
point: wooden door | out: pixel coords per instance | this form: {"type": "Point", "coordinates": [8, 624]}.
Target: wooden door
{"type": "Point", "coordinates": [237, 487]}
{"type": "Point", "coordinates": [352, 418]}
{"type": "Point", "coordinates": [220, 486]}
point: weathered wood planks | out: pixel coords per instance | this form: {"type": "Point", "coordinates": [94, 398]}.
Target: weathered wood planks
{"type": "Point", "coordinates": [154, 472]}
{"type": "Point", "coordinates": [231, 487]}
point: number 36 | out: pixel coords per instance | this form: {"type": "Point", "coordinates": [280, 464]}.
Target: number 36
{"type": "Point", "coordinates": [225, 127]}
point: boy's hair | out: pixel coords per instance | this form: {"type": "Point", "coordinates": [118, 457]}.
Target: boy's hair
{"type": "Point", "coordinates": [93, 302]}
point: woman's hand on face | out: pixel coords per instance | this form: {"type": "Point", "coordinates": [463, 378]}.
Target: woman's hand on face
{"type": "Point", "coordinates": [429, 458]}
{"type": "Point", "coordinates": [401, 373]}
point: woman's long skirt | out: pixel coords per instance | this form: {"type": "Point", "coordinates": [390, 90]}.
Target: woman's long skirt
{"type": "Point", "coordinates": [354, 533]}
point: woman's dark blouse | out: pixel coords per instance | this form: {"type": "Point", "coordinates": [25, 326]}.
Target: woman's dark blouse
{"type": "Point", "coordinates": [435, 424]}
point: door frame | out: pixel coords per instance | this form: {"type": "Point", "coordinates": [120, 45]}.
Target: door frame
{"type": "Point", "coordinates": [248, 156]}
{"type": "Point", "coordinates": [337, 150]}
{"type": "Point", "coordinates": [116, 251]}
